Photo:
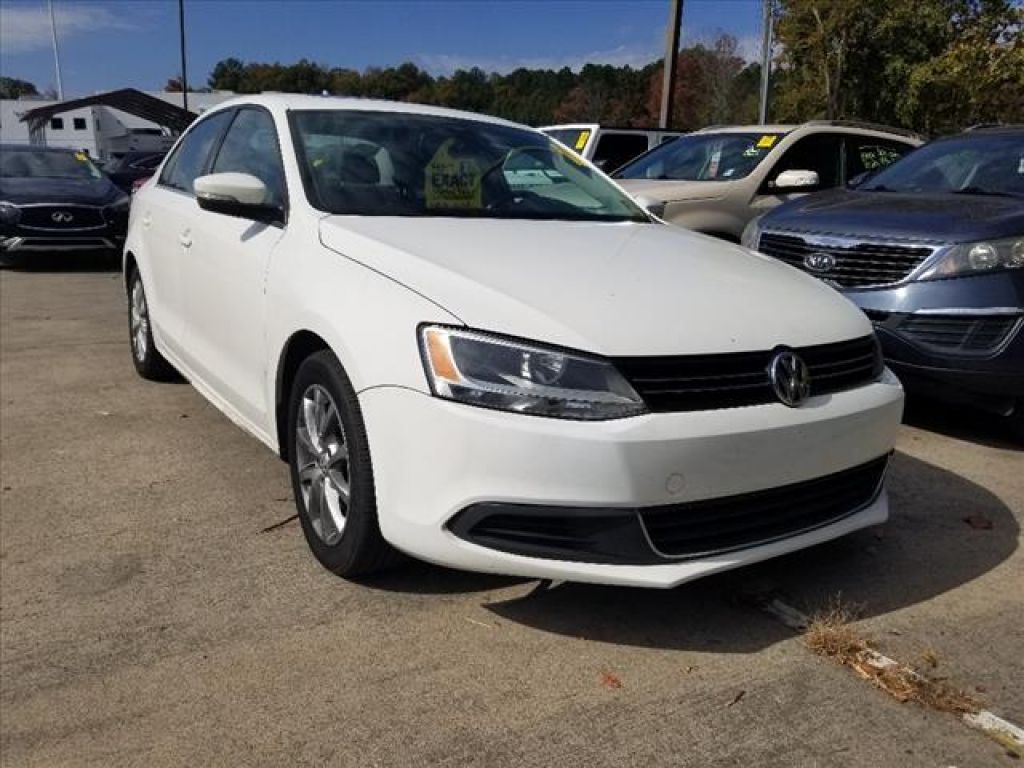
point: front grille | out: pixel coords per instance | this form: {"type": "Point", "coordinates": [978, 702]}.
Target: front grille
{"type": "Point", "coordinates": [714, 526]}
{"type": "Point", "coordinates": [735, 379]}
{"type": "Point", "coordinates": [41, 217]}
{"type": "Point", "coordinates": [979, 334]}
{"type": "Point", "coordinates": [857, 264]}
{"type": "Point", "coordinates": [652, 535]}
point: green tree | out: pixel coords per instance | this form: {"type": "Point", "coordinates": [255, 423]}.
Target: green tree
{"type": "Point", "coordinates": [13, 88]}
{"type": "Point", "coordinates": [227, 75]}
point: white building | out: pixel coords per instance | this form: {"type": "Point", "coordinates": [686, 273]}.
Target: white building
{"type": "Point", "coordinates": [101, 131]}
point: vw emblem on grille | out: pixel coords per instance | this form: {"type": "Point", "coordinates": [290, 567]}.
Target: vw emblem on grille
{"type": "Point", "coordinates": [789, 376]}
{"type": "Point", "coordinates": [62, 217]}
{"type": "Point", "coordinates": [820, 261]}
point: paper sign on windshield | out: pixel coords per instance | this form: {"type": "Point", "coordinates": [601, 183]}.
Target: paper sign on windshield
{"type": "Point", "coordinates": [452, 182]}
{"type": "Point", "coordinates": [581, 140]}
{"type": "Point", "coordinates": [766, 141]}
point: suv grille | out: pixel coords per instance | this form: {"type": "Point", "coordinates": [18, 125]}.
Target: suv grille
{"type": "Point", "coordinates": [731, 380]}
{"type": "Point", "coordinates": [857, 264]}
{"type": "Point", "coordinates": [720, 525]}
{"type": "Point", "coordinates": [958, 333]}
{"type": "Point", "coordinates": [42, 217]}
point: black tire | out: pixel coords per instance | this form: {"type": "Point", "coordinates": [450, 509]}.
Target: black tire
{"type": "Point", "coordinates": [149, 363]}
{"type": "Point", "coordinates": [361, 549]}
{"type": "Point", "coordinates": [1017, 421]}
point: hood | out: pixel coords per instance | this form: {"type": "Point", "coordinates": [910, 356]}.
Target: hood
{"type": "Point", "coordinates": [673, 191]}
{"type": "Point", "coordinates": [938, 218]}
{"type": "Point", "coordinates": [79, 191]}
{"type": "Point", "coordinates": [610, 288]}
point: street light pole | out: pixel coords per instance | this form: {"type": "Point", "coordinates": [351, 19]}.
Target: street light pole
{"type": "Point", "coordinates": [56, 53]}
{"type": "Point", "coordinates": [766, 59]}
{"type": "Point", "coordinates": [184, 74]}
{"type": "Point", "coordinates": [668, 84]}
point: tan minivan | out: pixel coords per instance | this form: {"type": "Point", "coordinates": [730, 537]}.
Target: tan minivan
{"type": "Point", "coordinates": [719, 178]}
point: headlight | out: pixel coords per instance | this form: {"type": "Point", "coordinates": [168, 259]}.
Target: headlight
{"type": "Point", "coordinates": [976, 258]}
{"type": "Point", "coordinates": [494, 372]}
{"type": "Point", "coordinates": [9, 213]}
{"type": "Point", "coordinates": [751, 233]}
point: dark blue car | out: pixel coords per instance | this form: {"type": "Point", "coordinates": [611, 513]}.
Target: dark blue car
{"type": "Point", "coordinates": [932, 249]}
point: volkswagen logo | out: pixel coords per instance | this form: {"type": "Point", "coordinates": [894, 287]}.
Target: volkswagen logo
{"type": "Point", "coordinates": [820, 261]}
{"type": "Point", "coordinates": [62, 217]}
{"type": "Point", "coordinates": [789, 376]}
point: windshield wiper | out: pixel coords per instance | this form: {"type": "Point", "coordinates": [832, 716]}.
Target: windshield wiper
{"type": "Point", "coordinates": [972, 190]}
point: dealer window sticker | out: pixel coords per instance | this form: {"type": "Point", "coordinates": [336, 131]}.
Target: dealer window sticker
{"type": "Point", "coordinates": [767, 141]}
{"type": "Point", "coordinates": [452, 182]}
{"type": "Point", "coordinates": [581, 140]}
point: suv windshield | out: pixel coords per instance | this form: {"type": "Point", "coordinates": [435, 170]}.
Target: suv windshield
{"type": "Point", "coordinates": [392, 164]}
{"type": "Point", "coordinates": [979, 165]}
{"type": "Point", "coordinates": [49, 165]}
{"type": "Point", "coordinates": [703, 157]}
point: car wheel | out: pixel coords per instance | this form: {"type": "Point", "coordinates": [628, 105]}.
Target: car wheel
{"type": "Point", "coordinates": [332, 476]}
{"type": "Point", "coordinates": [149, 363]}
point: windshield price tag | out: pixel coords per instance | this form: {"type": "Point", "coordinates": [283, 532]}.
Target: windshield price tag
{"type": "Point", "coordinates": [452, 182]}
{"type": "Point", "coordinates": [581, 140]}
{"type": "Point", "coordinates": [767, 141]}
{"type": "Point", "coordinates": [81, 157]}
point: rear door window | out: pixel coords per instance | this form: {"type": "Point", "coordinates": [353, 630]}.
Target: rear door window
{"type": "Point", "coordinates": [866, 153]}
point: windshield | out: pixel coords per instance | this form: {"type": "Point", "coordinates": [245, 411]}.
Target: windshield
{"type": "Point", "coordinates": [980, 165]}
{"type": "Point", "coordinates": [391, 164]}
{"type": "Point", "coordinates": [573, 138]}
{"type": "Point", "coordinates": [703, 157]}
{"type": "Point", "coordinates": [47, 165]}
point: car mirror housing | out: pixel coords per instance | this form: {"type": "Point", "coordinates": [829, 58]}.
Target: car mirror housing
{"type": "Point", "coordinates": [241, 195]}
{"type": "Point", "coordinates": [796, 180]}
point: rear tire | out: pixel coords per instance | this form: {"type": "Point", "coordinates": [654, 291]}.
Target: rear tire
{"type": "Point", "coordinates": [331, 471]}
{"type": "Point", "coordinates": [149, 363]}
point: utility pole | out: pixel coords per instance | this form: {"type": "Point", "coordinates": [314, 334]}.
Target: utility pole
{"type": "Point", "coordinates": [668, 84]}
{"type": "Point", "coordinates": [184, 74]}
{"type": "Point", "coordinates": [56, 54]}
{"type": "Point", "coordinates": [766, 57]}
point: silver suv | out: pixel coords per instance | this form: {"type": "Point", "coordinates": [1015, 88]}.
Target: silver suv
{"type": "Point", "coordinates": [719, 178]}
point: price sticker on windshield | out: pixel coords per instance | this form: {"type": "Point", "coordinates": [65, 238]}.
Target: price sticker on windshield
{"type": "Point", "coordinates": [767, 141]}
{"type": "Point", "coordinates": [81, 157]}
{"type": "Point", "coordinates": [581, 140]}
{"type": "Point", "coordinates": [452, 182]}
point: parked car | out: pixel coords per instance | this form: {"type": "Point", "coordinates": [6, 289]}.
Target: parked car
{"type": "Point", "coordinates": [607, 147]}
{"type": "Point", "coordinates": [719, 178]}
{"type": "Point", "coordinates": [57, 200]}
{"type": "Point", "coordinates": [471, 347]}
{"type": "Point", "coordinates": [127, 170]}
{"type": "Point", "coordinates": [932, 249]}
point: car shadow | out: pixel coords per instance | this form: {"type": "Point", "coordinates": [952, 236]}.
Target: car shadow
{"type": "Point", "coordinates": [961, 422]}
{"type": "Point", "coordinates": [926, 549]}
{"type": "Point", "coordinates": [86, 261]}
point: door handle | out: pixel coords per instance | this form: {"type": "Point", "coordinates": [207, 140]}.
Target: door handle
{"type": "Point", "coordinates": [185, 238]}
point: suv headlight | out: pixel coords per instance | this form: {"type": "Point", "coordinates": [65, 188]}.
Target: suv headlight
{"type": "Point", "coordinates": [751, 233]}
{"type": "Point", "coordinates": [976, 258]}
{"type": "Point", "coordinates": [509, 375]}
{"type": "Point", "coordinates": [9, 213]}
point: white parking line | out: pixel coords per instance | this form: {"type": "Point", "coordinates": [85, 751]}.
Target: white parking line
{"type": "Point", "coordinates": [1003, 731]}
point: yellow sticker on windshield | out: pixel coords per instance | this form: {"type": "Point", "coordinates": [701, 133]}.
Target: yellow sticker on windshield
{"type": "Point", "coordinates": [452, 182]}
{"type": "Point", "coordinates": [81, 157]}
{"type": "Point", "coordinates": [581, 140]}
{"type": "Point", "coordinates": [766, 141]}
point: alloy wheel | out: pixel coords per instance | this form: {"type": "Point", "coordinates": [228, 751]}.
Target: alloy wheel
{"type": "Point", "coordinates": [139, 321]}
{"type": "Point", "coordinates": [322, 463]}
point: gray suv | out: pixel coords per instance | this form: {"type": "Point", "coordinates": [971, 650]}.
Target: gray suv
{"type": "Point", "coordinates": [719, 178]}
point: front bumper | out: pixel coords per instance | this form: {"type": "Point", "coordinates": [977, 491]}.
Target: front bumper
{"type": "Point", "coordinates": [25, 244]}
{"type": "Point", "coordinates": [435, 459]}
{"type": "Point", "coordinates": [960, 339]}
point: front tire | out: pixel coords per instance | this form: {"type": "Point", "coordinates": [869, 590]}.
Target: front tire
{"type": "Point", "coordinates": [149, 363]}
{"type": "Point", "coordinates": [332, 476]}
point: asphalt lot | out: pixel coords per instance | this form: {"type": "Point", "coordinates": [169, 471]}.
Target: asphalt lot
{"type": "Point", "coordinates": [149, 617]}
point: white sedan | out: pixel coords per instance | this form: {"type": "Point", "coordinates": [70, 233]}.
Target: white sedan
{"type": "Point", "coordinates": [472, 347]}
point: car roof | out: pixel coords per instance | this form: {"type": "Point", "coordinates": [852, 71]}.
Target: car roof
{"type": "Point", "coordinates": [284, 102]}
{"type": "Point", "coordinates": [35, 148]}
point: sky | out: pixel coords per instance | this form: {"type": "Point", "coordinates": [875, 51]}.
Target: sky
{"type": "Point", "coordinates": [116, 43]}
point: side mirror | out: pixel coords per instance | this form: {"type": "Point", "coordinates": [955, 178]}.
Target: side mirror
{"type": "Point", "coordinates": [795, 180]}
{"type": "Point", "coordinates": [657, 207]}
{"type": "Point", "coordinates": [241, 195]}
